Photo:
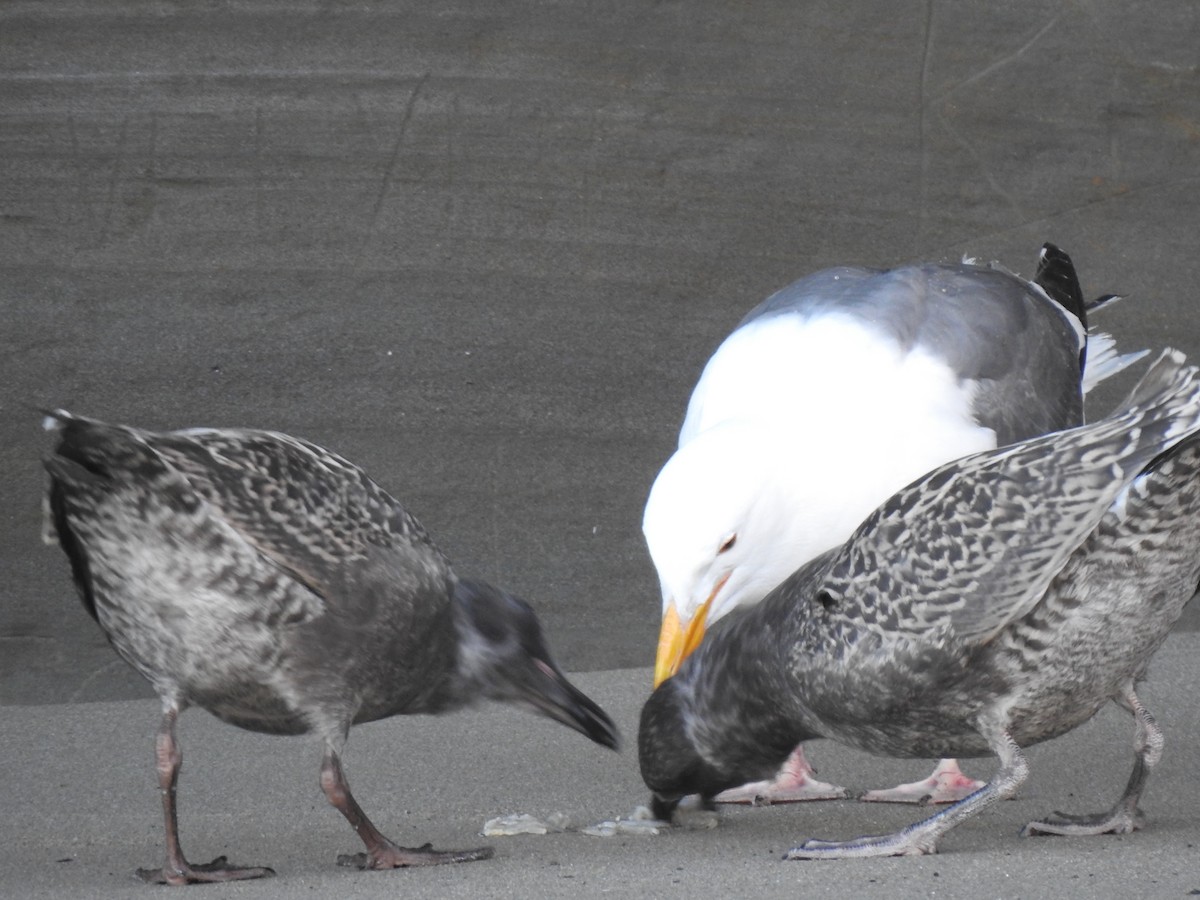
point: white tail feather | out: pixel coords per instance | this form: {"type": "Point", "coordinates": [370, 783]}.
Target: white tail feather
{"type": "Point", "coordinates": [1103, 361]}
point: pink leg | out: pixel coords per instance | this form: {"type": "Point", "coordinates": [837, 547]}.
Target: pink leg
{"type": "Point", "coordinates": [793, 784]}
{"type": "Point", "coordinates": [178, 870]}
{"type": "Point", "coordinates": [947, 784]}
{"type": "Point", "coordinates": [381, 852]}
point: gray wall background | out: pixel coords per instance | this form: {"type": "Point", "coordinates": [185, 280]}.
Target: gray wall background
{"type": "Point", "coordinates": [483, 249]}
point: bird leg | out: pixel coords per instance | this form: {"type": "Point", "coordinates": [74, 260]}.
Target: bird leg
{"type": "Point", "coordinates": [381, 853]}
{"type": "Point", "coordinates": [947, 784]}
{"type": "Point", "coordinates": [1125, 816]}
{"type": "Point", "coordinates": [794, 783]}
{"type": "Point", "coordinates": [177, 870]}
{"type": "Point", "coordinates": [922, 837]}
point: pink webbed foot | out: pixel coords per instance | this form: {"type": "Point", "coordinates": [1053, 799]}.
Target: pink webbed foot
{"type": "Point", "coordinates": [795, 783]}
{"type": "Point", "coordinates": [947, 784]}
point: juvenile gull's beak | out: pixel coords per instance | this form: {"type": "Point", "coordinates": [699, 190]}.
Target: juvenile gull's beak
{"type": "Point", "coordinates": [549, 693]}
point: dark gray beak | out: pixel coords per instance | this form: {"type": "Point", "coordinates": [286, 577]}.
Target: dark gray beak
{"type": "Point", "coordinates": [546, 690]}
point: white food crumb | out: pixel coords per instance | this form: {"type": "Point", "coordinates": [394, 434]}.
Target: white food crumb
{"type": "Point", "coordinates": [640, 821]}
{"type": "Point", "coordinates": [523, 823]}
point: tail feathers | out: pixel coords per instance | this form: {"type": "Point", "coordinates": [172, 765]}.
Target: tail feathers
{"type": "Point", "coordinates": [92, 459]}
{"type": "Point", "coordinates": [1057, 277]}
{"type": "Point", "coordinates": [59, 420]}
{"type": "Point", "coordinates": [64, 471]}
{"type": "Point", "coordinates": [69, 471]}
{"type": "Point", "coordinates": [1168, 379]}
{"type": "Point", "coordinates": [1102, 360]}
{"type": "Point", "coordinates": [93, 445]}
{"type": "Point", "coordinates": [1102, 301]}
{"type": "Point", "coordinates": [55, 419]}
{"type": "Point", "coordinates": [1161, 413]}
{"type": "Point", "coordinates": [1163, 409]}
{"type": "Point", "coordinates": [63, 468]}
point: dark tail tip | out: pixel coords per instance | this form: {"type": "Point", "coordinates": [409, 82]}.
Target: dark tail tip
{"type": "Point", "coordinates": [1057, 277]}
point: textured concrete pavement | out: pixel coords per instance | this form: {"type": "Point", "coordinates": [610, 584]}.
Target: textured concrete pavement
{"type": "Point", "coordinates": [83, 812]}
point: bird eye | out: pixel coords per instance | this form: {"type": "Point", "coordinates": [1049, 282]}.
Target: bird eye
{"type": "Point", "coordinates": [727, 544]}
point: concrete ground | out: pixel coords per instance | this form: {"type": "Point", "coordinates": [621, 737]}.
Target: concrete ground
{"type": "Point", "coordinates": [82, 812]}
{"type": "Point", "coordinates": [483, 249]}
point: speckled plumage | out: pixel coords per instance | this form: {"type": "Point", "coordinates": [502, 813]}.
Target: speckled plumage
{"type": "Point", "coordinates": [276, 585]}
{"type": "Point", "coordinates": [829, 396]}
{"type": "Point", "coordinates": [997, 602]}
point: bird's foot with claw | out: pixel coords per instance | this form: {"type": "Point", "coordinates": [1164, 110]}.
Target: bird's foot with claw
{"type": "Point", "coordinates": [945, 785]}
{"type": "Point", "coordinates": [390, 856]}
{"type": "Point", "coordinates": [203, 873]}
{"type": "Point", "coordinates": [1116, 821]}
{"type": "Point", "coordinates": [900, 844]}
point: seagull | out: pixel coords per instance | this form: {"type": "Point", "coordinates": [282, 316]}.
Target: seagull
{"type": "Point", "coordinates": [1000, 601]}
{"type": "Point", "coordinates": [274, 584]}
{"type": "Point", "coordinates": [829, 396]}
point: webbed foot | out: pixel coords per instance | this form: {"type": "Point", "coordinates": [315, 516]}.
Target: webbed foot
{"type": "Point", "coordinates": [390, 856]}
{"type": "Point", "coordinates": [1116, 821]}
{"type": "Point", "coordinates": [947, 784]}
{"type": "Point", "coordinates": [203, 873]}
{"type": "Point", "coordinates": [795, 783]}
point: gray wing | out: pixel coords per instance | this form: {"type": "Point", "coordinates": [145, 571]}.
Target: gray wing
{"type": "Point", "coordinates": [991, 327]}
{"type": "Point", "coordinates": [973, 545]}
{"type": "Point", "coordinates": [311, 512]}
{"type": "Point", "coordinates": [111, 483]}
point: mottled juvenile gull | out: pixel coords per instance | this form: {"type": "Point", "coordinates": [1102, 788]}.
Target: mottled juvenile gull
{"type": "Point", "coordinates": [997, 602]}
{"type": "Point", "coordinates": [834, 393]}
{"type": "Point", "coordinates": [274, 584]}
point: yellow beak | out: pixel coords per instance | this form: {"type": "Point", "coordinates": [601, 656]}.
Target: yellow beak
{"type": "Point", "coordinates": [677, 639]}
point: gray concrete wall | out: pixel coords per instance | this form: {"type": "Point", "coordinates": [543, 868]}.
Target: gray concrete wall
{"type": "Point", "coordinates": [483, 249]}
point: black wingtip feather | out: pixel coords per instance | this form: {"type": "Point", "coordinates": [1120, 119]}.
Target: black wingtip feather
{"type": "Point", "coordinates": [1057, 277]}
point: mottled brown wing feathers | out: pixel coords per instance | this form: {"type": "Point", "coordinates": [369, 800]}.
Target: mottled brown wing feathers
{"type": "Point", "coordinates": [309, 511]}
{"type": "Point", "coordinates": [976, 542]}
